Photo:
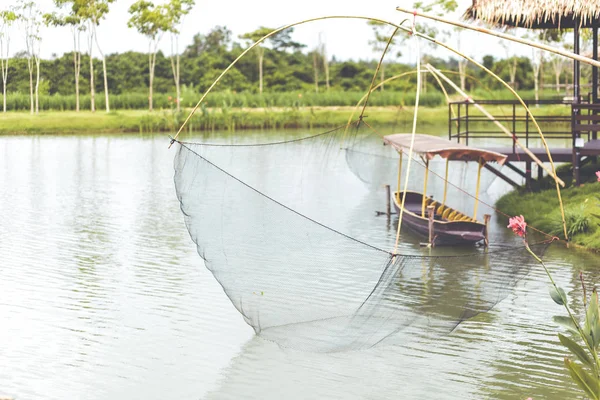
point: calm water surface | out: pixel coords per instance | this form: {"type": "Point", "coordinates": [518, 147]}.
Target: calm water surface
{"type": "Point", "coordinates": [102, 295]}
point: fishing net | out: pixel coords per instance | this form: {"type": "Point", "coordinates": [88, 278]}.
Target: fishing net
{"type": "Point", "coordinates": [289, 231]}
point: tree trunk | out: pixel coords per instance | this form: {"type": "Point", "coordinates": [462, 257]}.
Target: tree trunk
{"type": "Point", "coordinates": [37, 85]}
{"type": "Point", "coordinates": [326, 68]}
{"type": "Point", "coordinates": [104, 72]}
{"type": "Point", "coordinates": [4, 64]}
{"type": "Point", "coordinates": [106, 99]}
{"type": "Point", "coordinates": [178, 86]}
{"type": "Point", "coordinates": [76, 64]}
{"type": "Point", "coordinates": [30, 66]}
{"type": "Point", "coordinates": [260, 72]}
{"type": "Point", "coordinates": [4, 80]}
{"type": "Point", "coordinates": [92, 91]}
{"type": "Point", "coordinates": [316, 69]}
{"type": "Point", "coordinates": [176, 70]}
{"type": "Point", "coordinates": [152, 64]}
{"type": "Point", "coordinates": [513, 73]}
{"type": "Point", "coordinates": [461, 71]}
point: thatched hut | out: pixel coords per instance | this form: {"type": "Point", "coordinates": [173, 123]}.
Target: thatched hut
{"type": "Point", "coordinates": [544, 14]}
{"type": "Point", "coordinates": [554, 14]}
{"type": "Point", "coordinates": [536, 14]}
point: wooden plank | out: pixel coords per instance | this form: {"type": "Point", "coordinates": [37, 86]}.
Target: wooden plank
{"type": "Point", "coordinates": [517, 170]}
{"type": "Point", "coordinates": [501, 175]}
{"type": "Point", "coordinates": [587, 117]}
{"type": "Point", "coordinates": [586, 128]}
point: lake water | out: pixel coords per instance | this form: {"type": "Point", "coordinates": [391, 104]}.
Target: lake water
{"type": "Point", "coordinates": [103, 296]}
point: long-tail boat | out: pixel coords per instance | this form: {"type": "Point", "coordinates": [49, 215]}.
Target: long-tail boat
{"type": "Point", "coordinates": [446, 225]}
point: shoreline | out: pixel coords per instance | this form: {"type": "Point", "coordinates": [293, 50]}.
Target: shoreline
{"type": "Point", "coordinates": [582, 208]}
{"type": "Point", "coordinates": [232, 119]}
{"type": "Point", "coordinates": [212, 119]}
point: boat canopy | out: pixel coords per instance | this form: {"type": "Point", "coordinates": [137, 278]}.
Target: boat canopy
{"type": "Point", "coordinates": [430, 146]}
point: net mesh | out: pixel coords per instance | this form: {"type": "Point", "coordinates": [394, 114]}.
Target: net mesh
{"type": "Point", "coordinates": [289, 231]}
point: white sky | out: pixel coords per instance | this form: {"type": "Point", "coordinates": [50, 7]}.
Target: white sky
{"type": "Point", "coordinates": [345, 39]}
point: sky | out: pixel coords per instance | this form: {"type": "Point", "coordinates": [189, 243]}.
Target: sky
{"type": "Point", "coordinates": [346, 39]}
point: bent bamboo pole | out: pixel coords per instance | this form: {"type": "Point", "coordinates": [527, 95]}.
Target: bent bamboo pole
{"type": "Point", "coordinates": [512, 38]}
{"type": "Point", "coordinates": [491, 118]}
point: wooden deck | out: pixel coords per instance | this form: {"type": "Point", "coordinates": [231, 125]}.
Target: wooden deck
{"type": "Point", "coordinates": [559, 154]}
{"type": "Point", "coordinates": [581, 125]}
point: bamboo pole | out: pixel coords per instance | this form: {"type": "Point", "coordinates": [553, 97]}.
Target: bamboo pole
{"type": "Point", "coordinates": [412, 143]}
{"type": "Point", "coordinates": [498, 124]}
{"type": "Point", "coordinates": [512, 38]}
{"type": "Point", "coordinates": [259, 41]}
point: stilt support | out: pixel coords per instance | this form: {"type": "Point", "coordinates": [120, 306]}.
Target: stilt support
{"type": "Point", "coordinates": [431, 215]}
{"type": "Point", "coordinates": [486, 220]}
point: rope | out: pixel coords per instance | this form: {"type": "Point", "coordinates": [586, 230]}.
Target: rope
{"type": "Point", "coordinates": [281, 204]}
{"type": "Point", "coordinates": [268, 144]}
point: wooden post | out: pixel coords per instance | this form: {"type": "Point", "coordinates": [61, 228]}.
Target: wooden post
{"type": "Point", "coordinates": [425, 188]}
{"type": "Point", "coordinates": [431, 214]}
{"type": "Point", "coordinates": [481, 163]}
{"type": "Point", "coordinates": [388, 209]}
{"type": "Point", "coordinates": [486, 221]}
{"type": "Point", "coordinates": [528, 174]}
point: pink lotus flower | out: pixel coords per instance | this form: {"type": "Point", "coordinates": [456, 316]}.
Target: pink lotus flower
{"type": "Point", "coordinates": [518, 225]}
{"type": "Point", "coordinates": [598, 175]}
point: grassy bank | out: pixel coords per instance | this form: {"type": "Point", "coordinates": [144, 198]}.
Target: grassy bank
{"type": "Point", "coordinates": [206, 119]}
{"type": "Point", "coordinates": [228, 118]}
{"type": "Point", "coordinates": [541, 209]}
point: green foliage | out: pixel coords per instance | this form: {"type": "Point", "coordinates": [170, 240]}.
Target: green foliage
{"type": "Point", "coordinates": [542, 211]}
{"type": "Point", "coordinates": [586, 375]}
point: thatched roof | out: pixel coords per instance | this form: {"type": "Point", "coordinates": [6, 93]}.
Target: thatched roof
{"type": "Point", "coordinates": [536, 13]}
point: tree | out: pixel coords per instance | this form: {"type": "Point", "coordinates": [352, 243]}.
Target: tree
{"type": "Point", "coordinates": [7, 19]}
{"type": "Point", "coordinates": [94, 11]}
{"type": "Point", "coordinates": [177, 9]}
{"type": "Point", "coordinates": [513, 60]}
{"type": "Point", "coordinates": [558, 62]}
{"type": "Point", "coordinates": [281, 41]}
{"type": "Point", "coordinates": [76, 25]}
{"type": "Point", "coordinates": [253, 37]}
{"type": "Point", "coordinates": [319, 56]}
{"type": "Point", "coordinates": [31, 18]}
{"type": "Point", "coordinates": [151, 21]}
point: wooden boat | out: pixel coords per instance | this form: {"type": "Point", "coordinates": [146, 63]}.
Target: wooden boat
{"type": "Point", "coordinates": [444, 225]}
{"type": "Point", "coordinates": [449, 226]}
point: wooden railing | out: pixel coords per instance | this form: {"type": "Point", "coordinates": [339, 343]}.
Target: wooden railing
{"type": "Point", "coordinates": [469, 124]}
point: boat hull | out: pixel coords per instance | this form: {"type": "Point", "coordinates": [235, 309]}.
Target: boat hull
{"type": "Point", "coordinates": [444, 232]}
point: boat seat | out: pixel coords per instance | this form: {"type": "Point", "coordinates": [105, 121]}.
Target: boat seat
{"type": "Point", "coordinates": [440, 209]}
{"type": "Point", "coordinates": [446, 213]}
{"type": "Point", "coordinates": [452, 215]}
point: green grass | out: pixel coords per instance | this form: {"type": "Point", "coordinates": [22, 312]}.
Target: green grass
{"type": "Point", "coordinates": [139, 101]}
{"type": "Point", "coordinates": [582, 207]}
{"type": "Point", "coordinates": [51, 122]}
